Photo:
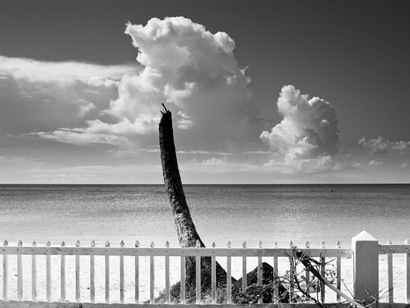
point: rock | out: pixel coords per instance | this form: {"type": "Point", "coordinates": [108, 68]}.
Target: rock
{"type": "Point", "coordinates": [251, 295]}
{"type": "Point", "coordinates": [254, 291]}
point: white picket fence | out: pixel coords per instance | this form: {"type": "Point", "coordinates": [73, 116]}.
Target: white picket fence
{"type": "Point", "coordinates": [364, 257]}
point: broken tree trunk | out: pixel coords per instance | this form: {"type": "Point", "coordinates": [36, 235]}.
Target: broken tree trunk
{"type": "Point", "coordinates": [187, 234]}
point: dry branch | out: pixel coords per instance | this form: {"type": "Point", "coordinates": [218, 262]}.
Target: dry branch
{"type": "Point", "coordinates": [308, 264]}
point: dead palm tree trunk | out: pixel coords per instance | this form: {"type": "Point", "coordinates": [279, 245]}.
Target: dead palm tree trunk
{"type": "Point", "coordinates": [187, 234]}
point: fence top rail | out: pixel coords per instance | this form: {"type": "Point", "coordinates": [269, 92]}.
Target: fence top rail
{"type": "Point", "coordinates": [389, 248]}
{"type": "Point", "coordinates": [167, 251]}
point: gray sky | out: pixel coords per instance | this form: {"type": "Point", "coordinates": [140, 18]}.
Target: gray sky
{"type": "Point", "coordinates": [76, 106]}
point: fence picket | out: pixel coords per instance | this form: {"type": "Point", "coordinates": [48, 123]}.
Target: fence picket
{"type": "Point", "coordinates": [228, 278]}
{"type": "Point", "coordinates": [122, 274]}
{"type": "Point", "coordinates": [19, 273]}
{"type": "Point", "coordinates": [62, 259]}
{"type": "Point", "coordinates": [213, 278]}
{"type": "Point", "coordinates": [77, 274]}
{"type": "Point", "coordinates": [48, 271]}
{"type": "Point", "coordinates": [307, 272]}
{"type": "Point", "coordinates": [5, 271]}
{"type": "Point", "coordinates": [323, 273]}
{"type": "Point", "coordinates": [198, 275]}
{"type": "Point", "coordinates": [275, 275]}
{"type": "Point", "coordinates": [34, 275]}
{"type": "Point", "coordinates": [152, 276]}
{"type": "Point", "coordinates": [137, 275]}
{"type": "Point", "coordinates": [182, 285]}
{"type": "Point", "coordinates": [244, 272]}
{"type": "Point", "coordinates": [107, 274]}
{"type": "Point", "coordinates": [167, 283]}
{"type": "Point", "coordinates": [390, 273]}
{"type": "Point", "coordinates": [259, 271]}
{"type": "Point", "coordinates": [292, 273]}
{"type": "Point", "coordinates": [338, 271]}
{"type": "Point", "coordinates": [92, 274]}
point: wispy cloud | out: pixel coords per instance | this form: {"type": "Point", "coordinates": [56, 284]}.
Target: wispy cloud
{"type": "Point", "coordinates": [36, 71]}
{"type": "Point", "coordinates": [39, 95]}
{"type": "Point", "coordinates": [211, 162]}
{"type": "Point", "coordinates": [381, 145]}
{"type": "Point", "coordinates": [194, 152]}
{"type": "Point", "coordinates": [375, 163]}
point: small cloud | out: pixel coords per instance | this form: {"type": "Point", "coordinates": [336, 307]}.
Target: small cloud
{"type": "Point", "coordinates": [184, 121]}
{"type": "Point", "coordinates": [375, 163]}
{"type": "Point", "coordinates": [256, 152]}
{"type": "Point", "coordinates": [356, 165]}
{"type": "Point", "coordinates": [212, 162]}
{"type": "Point", "coordinates": [381, 145]}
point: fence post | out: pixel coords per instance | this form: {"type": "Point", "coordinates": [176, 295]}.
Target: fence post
{"type": "Point", "coordinates": [365, 249]}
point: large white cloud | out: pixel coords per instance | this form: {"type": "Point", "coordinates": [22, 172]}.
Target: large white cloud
{"type": "Point", "coordinates": [307, 135]}
{"type": "Point", "coordinates": [193, 70]}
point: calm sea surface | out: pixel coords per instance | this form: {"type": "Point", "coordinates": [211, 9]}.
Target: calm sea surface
{"type": "Point", "coordinates": [221, 213]}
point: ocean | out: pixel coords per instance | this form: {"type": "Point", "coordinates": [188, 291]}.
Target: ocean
{"type": "Point", "coordinates": [221, 213]}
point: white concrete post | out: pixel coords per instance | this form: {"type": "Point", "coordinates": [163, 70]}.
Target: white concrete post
{"type": "Point", "coordinates": [365, 250]}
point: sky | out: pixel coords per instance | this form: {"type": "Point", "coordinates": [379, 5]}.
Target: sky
{"type": "Point", "coordinates": [261, 92]}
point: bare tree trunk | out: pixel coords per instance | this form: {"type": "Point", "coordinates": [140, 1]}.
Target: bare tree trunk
{"type": "Point", "coordinates": [187, 234]}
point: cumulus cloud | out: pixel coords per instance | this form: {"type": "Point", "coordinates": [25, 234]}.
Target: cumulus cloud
{"type": "Point", "coordinates": [307, 137]}
{"type": "Point", "coordinates": [196, 72]}
{"type": "Point", "coordinates": [381, 145]}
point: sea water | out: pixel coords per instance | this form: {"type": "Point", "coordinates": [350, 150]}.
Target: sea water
{"type": "Point", "coordinates": [221, 213]}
